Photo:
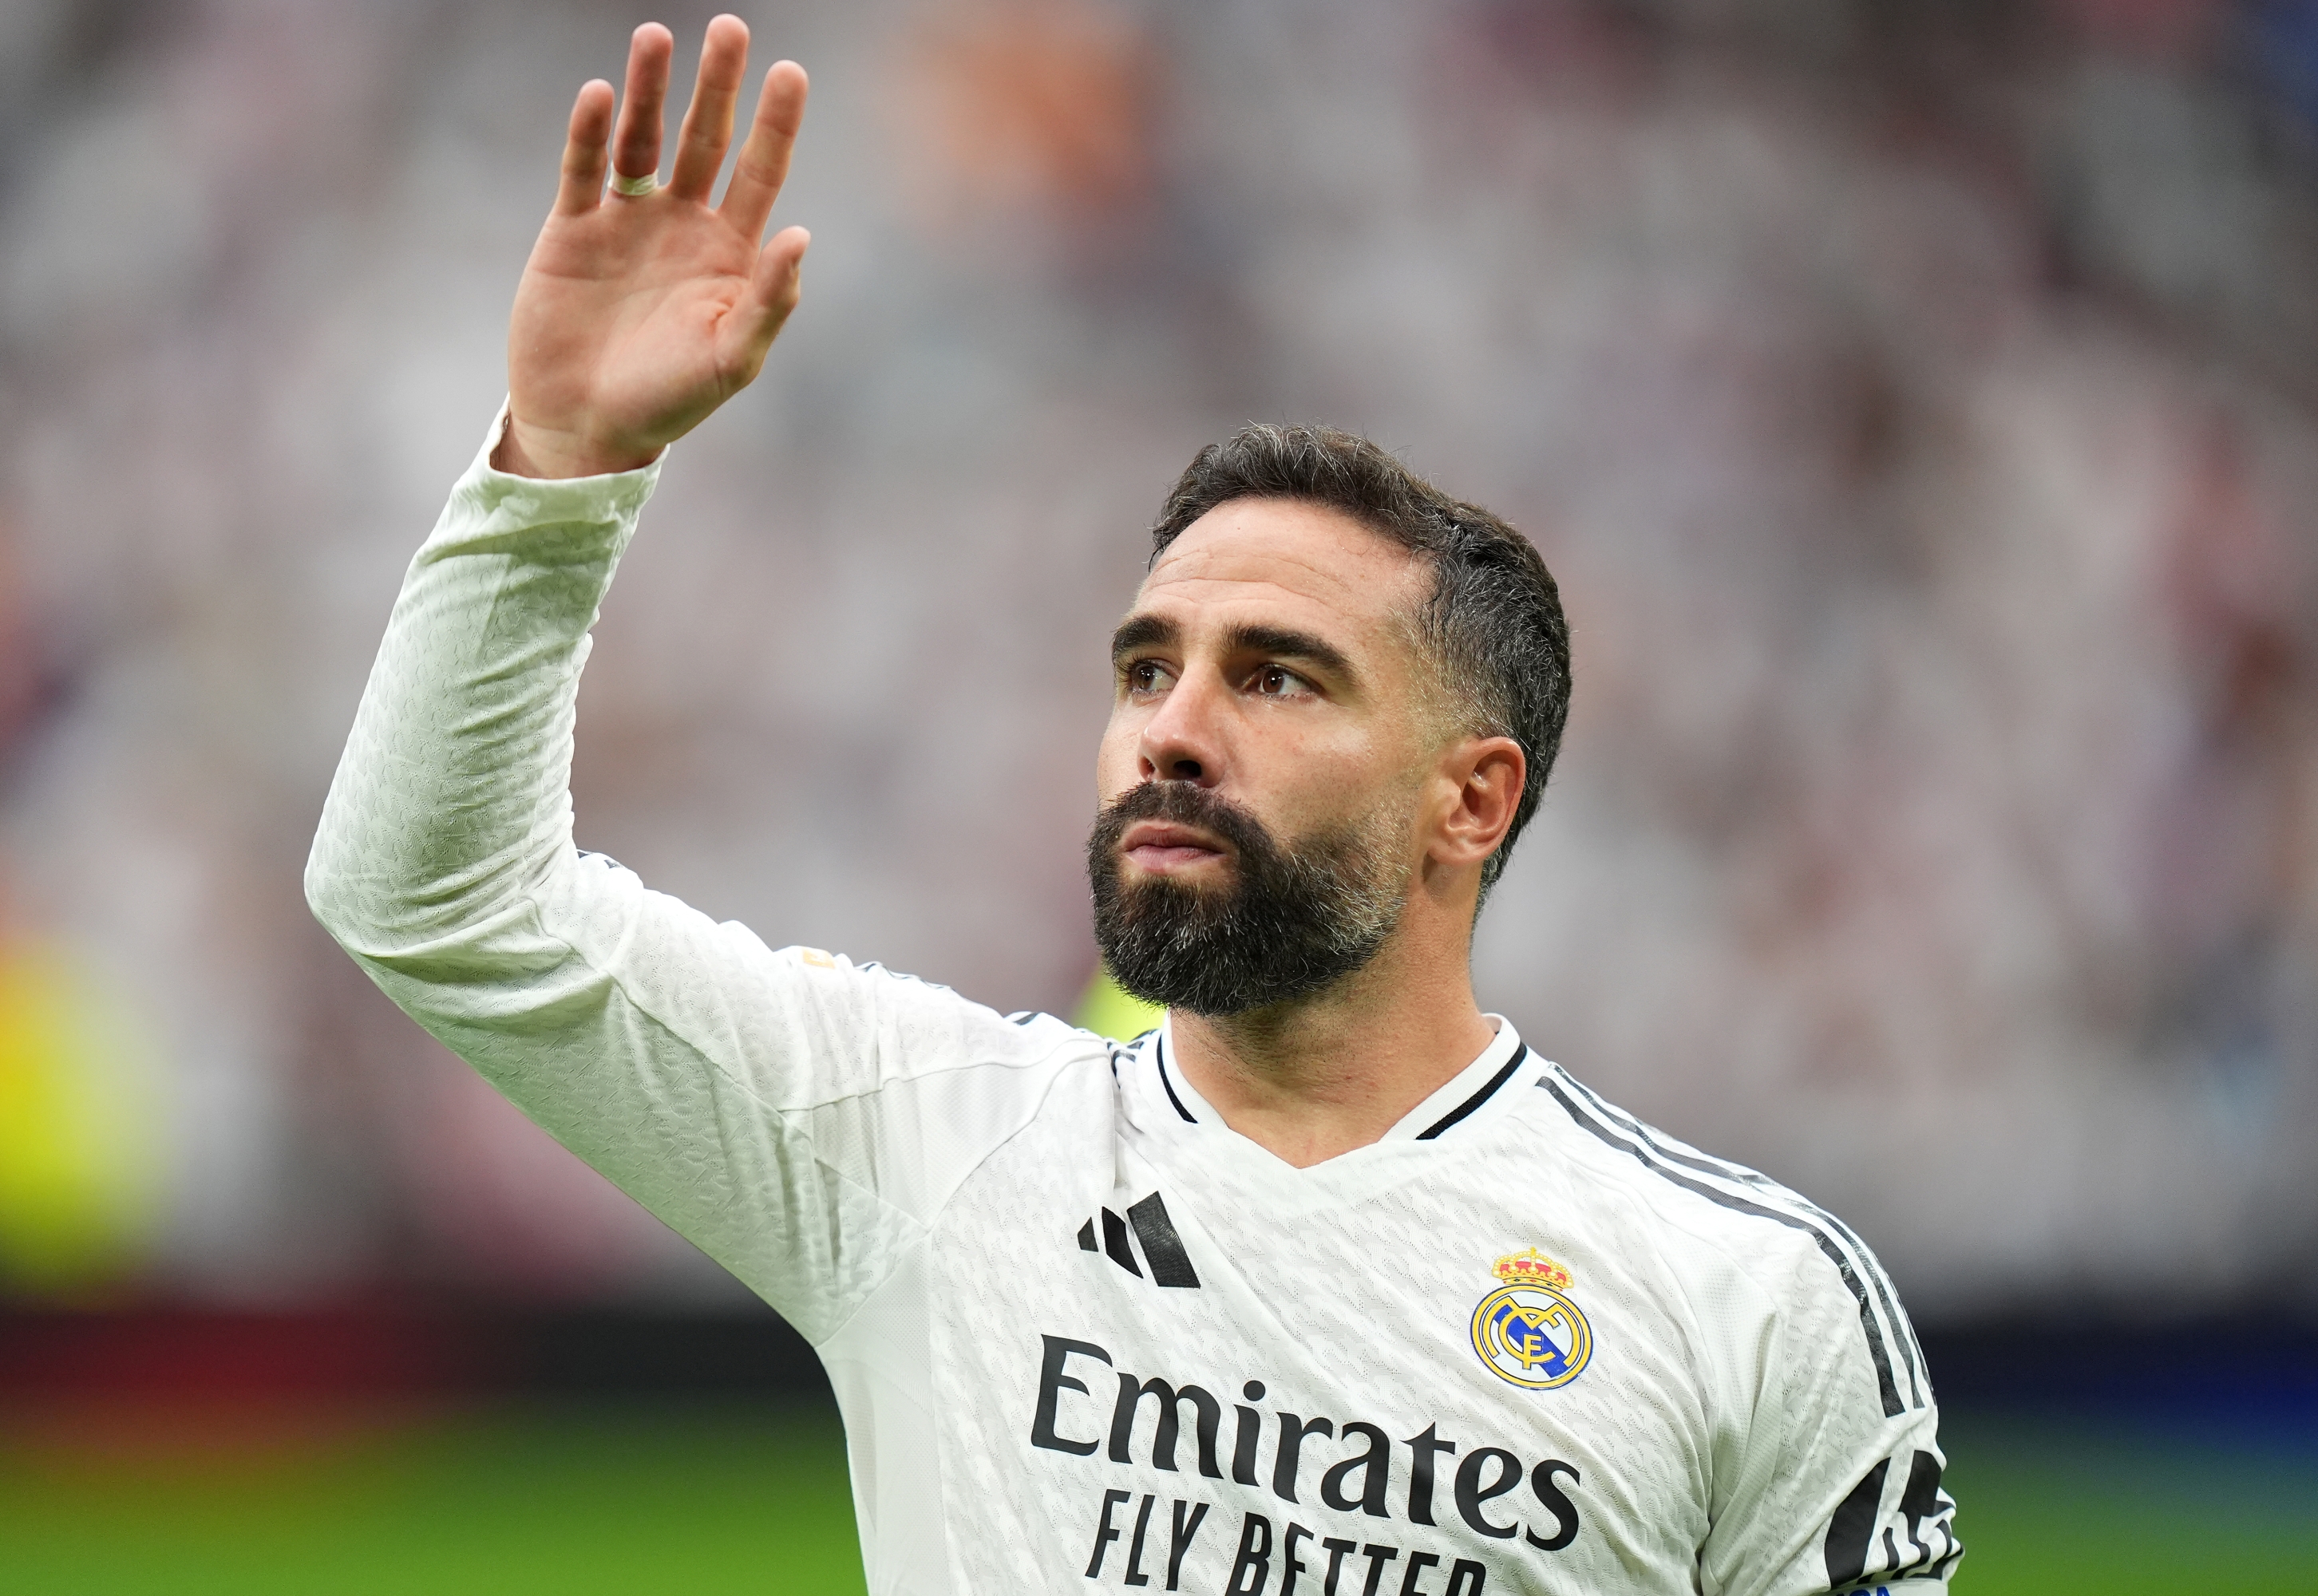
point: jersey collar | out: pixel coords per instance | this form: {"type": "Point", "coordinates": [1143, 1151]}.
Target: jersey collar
{"type": "Point", "coordinates": [1475, 1094]}
{"type": "Point", "coordinates": [1470, 1094]}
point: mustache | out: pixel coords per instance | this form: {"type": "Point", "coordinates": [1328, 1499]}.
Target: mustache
{"type": "Point", "coordinates": [1186, 805]}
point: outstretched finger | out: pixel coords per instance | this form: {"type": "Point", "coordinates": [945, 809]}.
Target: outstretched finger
{"type": "Point", "coordinates": [773, 289]}
{"type": "Point", "coordinates": [581, 188]}
{"type": "Point", "coordinates": [708, 123]}
{"type": "Point", "coordinates": [763, 162]}
{"type": "Point", "coordinates": [635, 146]}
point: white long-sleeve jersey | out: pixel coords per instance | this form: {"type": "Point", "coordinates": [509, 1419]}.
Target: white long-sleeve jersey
{"type": "Point", "coordinates": [1085, 1336]}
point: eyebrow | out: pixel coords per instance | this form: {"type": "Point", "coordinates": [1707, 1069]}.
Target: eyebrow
{"type": "Point", "coordinates": [1289, 644]}
{"type": "Point", "coordinates": [1143, 631]}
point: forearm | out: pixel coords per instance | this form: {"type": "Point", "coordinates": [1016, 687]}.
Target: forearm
{"type": "Point", "coordinates": [452, 799]}
{"type": "Point", "coordinates": [681, 1057]}
{"type": "Point", "coordinates": [659, 1048]}
{"type": "Point", "coordinates": [636, 317]}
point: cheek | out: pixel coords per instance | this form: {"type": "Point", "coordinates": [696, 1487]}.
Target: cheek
{"type": "Point", "coordinates": [1323, 781]}
{"type": "Point", "coordinates": [1114, 760]}
{"type": "Point", "coordinates": [1390, 795]}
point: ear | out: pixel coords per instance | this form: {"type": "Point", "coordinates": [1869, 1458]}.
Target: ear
{"type": "Point", "coordinates": [1485, 774]}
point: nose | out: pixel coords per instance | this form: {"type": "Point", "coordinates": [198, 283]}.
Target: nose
{"type": "Point", "coordinates": [1180, 741]}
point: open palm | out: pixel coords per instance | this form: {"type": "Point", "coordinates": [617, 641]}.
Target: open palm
{"type": "Point", "coordinates": [640, 313]}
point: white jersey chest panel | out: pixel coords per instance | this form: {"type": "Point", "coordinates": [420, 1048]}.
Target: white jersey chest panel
{"type": "Point", "coordinates": [1319, 1404]}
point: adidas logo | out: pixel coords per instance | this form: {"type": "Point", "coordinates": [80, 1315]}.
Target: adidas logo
{"type": "Point", "coordinates": [1163, 1249]}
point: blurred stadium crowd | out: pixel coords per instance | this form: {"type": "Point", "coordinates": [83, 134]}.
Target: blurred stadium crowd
{"type": "Point", "coordinates": [1914, 397]}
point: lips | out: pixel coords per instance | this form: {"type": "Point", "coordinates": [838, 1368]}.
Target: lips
{"type": "Point", "coordinates": [1165, 846]}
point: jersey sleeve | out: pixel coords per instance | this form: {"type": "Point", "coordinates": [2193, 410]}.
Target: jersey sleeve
{"type": "Point", "coordinates": [1830, 1491]}
{"type": "Point", "coordinates": [800, 1118]}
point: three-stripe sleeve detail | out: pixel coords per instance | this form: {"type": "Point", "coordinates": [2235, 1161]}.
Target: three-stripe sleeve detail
{"type": "Point", "coordinates": [1911, 1353]}
{"type": "Point", "coordinates": [1646, 1151]}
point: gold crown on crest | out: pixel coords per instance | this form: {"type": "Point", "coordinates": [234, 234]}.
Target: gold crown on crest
{"type": "Point", "coordinates": [1531, 1267]}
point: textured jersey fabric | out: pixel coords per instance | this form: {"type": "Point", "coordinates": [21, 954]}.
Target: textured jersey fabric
{"type": "Point", "coordinates": [1084, 1335]}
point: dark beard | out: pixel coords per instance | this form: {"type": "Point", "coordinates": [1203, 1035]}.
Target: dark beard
{"type": "Point", "coordinates": [1289, 923]}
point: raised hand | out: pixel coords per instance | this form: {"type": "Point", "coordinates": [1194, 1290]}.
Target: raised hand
{"type": "Point", "coordinates": [640, 313]}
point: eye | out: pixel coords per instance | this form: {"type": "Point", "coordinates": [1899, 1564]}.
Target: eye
{"type": "Point", "coordinates": [1145, 675]}
{"type": "Point", "coordinates": [1276, 681]}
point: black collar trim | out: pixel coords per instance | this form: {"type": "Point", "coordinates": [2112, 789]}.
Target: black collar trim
{"type": "Point", "coordinates": [1478, 1097]}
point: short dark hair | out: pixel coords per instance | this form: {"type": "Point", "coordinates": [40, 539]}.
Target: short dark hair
{"type": "Point", "coordinates": [1493, 627]}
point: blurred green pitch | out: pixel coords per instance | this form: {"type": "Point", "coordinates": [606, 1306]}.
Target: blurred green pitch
{"type": "Point", "coordinates": [569, 1500]}
{"type": "Point", "coordinates": [578, 1501]}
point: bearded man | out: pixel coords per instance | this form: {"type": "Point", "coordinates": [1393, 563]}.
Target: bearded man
{"type": "Point", "coordinates": [1328, 1284]}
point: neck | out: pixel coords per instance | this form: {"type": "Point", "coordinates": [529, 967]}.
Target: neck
{"type": "Point", "coordinates": [1327, 1073]}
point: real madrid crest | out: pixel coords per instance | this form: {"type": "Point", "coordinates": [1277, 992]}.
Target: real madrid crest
{"type": "Point", "coordinates": [1528, 1330]}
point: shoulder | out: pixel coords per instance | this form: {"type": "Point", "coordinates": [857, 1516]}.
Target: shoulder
{"type": "Point", "coordinates": [1807, 1265]}
{"type": "Point", "coordinates": [918, 1027]}
{"type": "Point", "coordinates": [923, 1086]}
{"type": "Point", "coordinates": [1724, 1204]}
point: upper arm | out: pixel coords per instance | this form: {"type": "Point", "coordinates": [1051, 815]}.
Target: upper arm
{"type": "Point", "coordinates": [1828, 1491]}
{"type": "Point", "coordinates": [799, 1118]}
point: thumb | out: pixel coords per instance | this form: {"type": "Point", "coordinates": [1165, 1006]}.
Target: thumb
{"type": "Point", "coordinates": [774, 286]}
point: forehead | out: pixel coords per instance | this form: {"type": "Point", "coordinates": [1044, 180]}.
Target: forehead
{"type": "Point", "coordinates": [1289, 561]}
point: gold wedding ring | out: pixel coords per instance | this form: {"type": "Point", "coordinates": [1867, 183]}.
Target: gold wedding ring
{"type": "Point", "coordinates": [634, 187]}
